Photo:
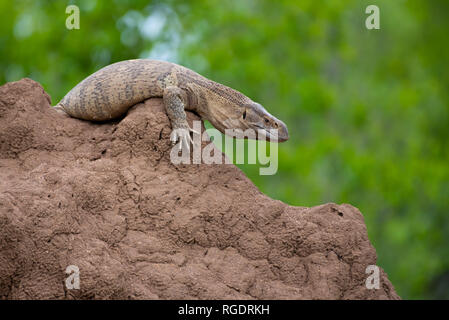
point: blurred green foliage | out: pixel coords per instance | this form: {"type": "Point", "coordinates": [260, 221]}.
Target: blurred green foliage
{"type": "Point", "coordinates": [367, 110]}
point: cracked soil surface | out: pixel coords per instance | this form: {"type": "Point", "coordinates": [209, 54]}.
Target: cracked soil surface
{"type": "Point", "coordinates": [106, 198]}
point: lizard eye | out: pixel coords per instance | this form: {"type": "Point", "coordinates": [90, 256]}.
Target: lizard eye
{"type": "Point", "coordinates": [244, 114]}
{"type": "Point", "coordinates": [266, 120]}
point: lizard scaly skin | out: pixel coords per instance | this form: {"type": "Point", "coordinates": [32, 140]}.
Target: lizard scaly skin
{"type": "Point", "coordinates": [109, 93]}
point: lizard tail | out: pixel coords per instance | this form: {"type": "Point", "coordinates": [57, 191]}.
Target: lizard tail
{"type": "Point", "coordinates": [58, 108]}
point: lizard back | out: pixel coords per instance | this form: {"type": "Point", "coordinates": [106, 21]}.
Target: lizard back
{"type": "Point", "coordinates": [112, 90]}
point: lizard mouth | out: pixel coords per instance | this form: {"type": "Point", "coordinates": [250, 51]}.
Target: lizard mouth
{"type": "Point", "coordinates": [269, 136]}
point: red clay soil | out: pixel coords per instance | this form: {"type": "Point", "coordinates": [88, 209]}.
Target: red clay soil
{"type": "Point", "coordinates": [106, 198]}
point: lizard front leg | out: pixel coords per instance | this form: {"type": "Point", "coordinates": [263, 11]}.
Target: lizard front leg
{"type": "Point", "coordinates": [174, 101]}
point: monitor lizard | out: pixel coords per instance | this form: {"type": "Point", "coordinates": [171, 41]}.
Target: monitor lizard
{"type": "Point", "coordinates": [108, 94]}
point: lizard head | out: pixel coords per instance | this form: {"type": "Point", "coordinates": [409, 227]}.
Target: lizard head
{"type": "Point", "coordinates": [255, 117]}
{"type": "Point", "coordinates": [228, 109]}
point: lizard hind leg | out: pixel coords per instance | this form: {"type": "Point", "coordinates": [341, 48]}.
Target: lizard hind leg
{"type": "Point", "coordinates": [174, 102]}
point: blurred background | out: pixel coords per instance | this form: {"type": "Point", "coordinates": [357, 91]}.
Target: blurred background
{"type": "Point", "coordinates": [367, 110]}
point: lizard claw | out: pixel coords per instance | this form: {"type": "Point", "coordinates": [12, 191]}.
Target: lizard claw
{"type": "Point", "coordinates": [194, 131]}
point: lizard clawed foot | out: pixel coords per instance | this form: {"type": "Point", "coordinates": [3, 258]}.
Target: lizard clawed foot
{"type": "Point", "coordinates": [183, 136]}
{"type": "Point", "coordinates": [193, 131]}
